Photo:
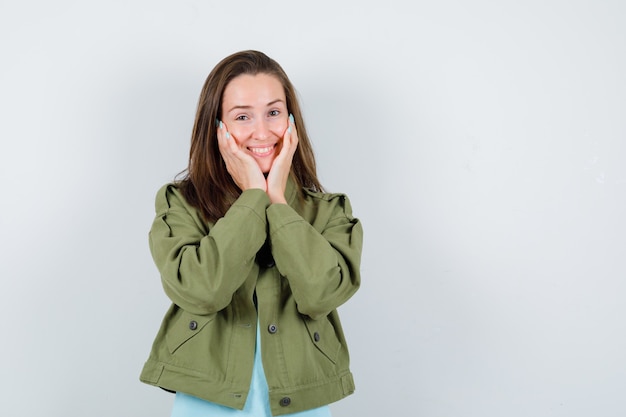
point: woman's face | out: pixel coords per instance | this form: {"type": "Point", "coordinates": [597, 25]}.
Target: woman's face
{"type": "Point", "coordinates": [254, 110]}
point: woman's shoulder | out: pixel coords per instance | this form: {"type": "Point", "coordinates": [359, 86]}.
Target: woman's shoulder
{"type": "Point", "coordinates": [336, 202]}
{"type": "Point", "coordinates": [320, 195]}
{"type": "Point", "coordinates": [170, 195]}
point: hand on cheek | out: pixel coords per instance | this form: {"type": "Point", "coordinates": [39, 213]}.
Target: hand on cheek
{"type": "Point", "coordinates": [281, 167]}
{"type": "Point", "coordinates": [242, 167]}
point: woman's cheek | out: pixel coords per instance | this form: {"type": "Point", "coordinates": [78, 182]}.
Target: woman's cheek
{"type": "Point", "coordinates": [281, 129]}
{"type": "Point", "coordinates": [238, 134]}
{"type": "Point", "coordinates": [279, 126]}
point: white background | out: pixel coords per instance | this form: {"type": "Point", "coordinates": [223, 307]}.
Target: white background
{"type": "Point", "coordinates": [482, 144]}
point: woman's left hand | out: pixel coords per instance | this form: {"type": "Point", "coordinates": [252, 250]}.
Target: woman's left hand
{"type": "Point", "coordinates": [281, 167]}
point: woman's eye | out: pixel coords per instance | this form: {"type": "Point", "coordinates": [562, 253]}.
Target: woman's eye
{"type": "Point", "coordinates": [274, 112]}
{"type": "Point", "coordinates": [242, 117]}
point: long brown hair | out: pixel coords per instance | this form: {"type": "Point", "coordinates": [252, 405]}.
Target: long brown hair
{"type": "Point", "coordinates": [206, 184]}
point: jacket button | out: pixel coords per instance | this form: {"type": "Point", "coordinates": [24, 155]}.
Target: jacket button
{"type": "Point", "coordinates": [285, 401]}
{"type": "Point", "coordinates": [272, 328]}
{"type": "Point", "coordinates": [316, 336]}
{"type": "Point", "coordinates": [270, 263]}
{"type": "Point", "coordinates": [193, 325]}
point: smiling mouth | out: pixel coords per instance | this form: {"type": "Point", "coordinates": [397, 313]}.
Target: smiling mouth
{"type": "Point", "coordinates": [262, 151]}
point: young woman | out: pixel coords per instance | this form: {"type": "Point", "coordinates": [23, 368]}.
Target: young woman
{"type": "Point", "coordinates": [255, 257]}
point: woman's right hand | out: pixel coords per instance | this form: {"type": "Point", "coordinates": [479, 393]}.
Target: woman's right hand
{"type": "Point", "coordinates": [242, 167]}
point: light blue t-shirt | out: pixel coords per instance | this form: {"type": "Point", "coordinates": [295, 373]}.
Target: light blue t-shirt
{"type": "Point", "coordinates": [257, 403]}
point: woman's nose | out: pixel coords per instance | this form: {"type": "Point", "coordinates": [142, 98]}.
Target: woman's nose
{"type": "Point", "coordinates": [261, 129]}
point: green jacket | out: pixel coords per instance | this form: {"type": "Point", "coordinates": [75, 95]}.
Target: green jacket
{"type": "Point", "coordinates": [219, 277]}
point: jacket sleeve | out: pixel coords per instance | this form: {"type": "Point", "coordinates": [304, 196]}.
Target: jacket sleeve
{"type": "Point", "coordinates": [321, 263]}
{"type": "Point", "coordinates": [201, 268]}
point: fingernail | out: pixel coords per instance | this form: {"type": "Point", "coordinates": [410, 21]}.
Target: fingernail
{"type": "Point", "coordinates": [291, 118]}
{"type": "Point", "coordinates": [289, 129]}
{"type": "Point", "coordinates": [227, 135]}
{"type": "Point", "coordinates": [217, 121]}
{"type": "Point", "coordinates": [221, 124]}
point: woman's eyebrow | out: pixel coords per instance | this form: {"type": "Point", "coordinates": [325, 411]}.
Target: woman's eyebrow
{"type": "Point", "coordinates": [239, 108]}
{"type": "Point", "coordinates": [247, 107]}
{"type": "Point", "coordinates": [278, 100]}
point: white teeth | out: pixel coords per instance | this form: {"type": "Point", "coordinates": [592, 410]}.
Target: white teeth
{"type": "Point", "coordinates": [261, 150]}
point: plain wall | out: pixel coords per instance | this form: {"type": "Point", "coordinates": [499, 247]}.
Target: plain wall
{"type": "Point", "coordinates": [482, 144]}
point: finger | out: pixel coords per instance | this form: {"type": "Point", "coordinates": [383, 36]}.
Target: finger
{"type": "Point", "coordinates": [292, 123]}
{"type": "Point", "coordinates": [291, 135]}
{"type": "Point", "coordinates": [225, 140]}
{"type": "Point", "coordinates": [221, 138]}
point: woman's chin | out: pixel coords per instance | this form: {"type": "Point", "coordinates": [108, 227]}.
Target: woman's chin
{"type": "Point", "coordinates": [265, 167]}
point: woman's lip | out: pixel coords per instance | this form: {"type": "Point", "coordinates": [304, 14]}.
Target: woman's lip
{"type": "Point", "coordinates": [261, 150]}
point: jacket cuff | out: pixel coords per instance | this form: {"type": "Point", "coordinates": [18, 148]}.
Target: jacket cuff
{"type": "Point", "coordinates": [279, 215]}
{"type": "Point", "coordinates": [256, 200]}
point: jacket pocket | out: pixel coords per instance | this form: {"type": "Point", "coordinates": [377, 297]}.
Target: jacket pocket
{"type": "Point", "coordinates": [322, 334]}
{"type": "Point", "coordinates": [183, 327]}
